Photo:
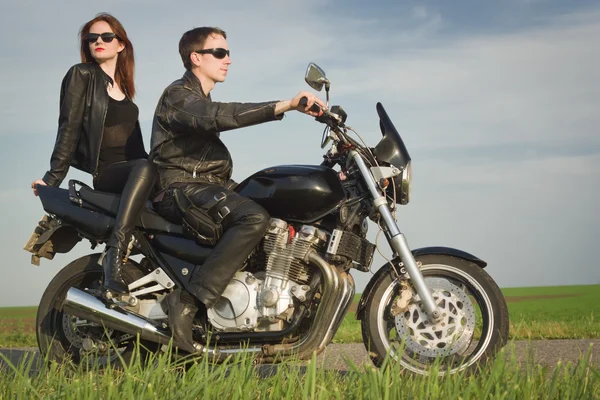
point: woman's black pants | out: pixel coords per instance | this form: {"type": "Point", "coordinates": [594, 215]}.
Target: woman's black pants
{"type": "Point", "coordinates": [134, 180]}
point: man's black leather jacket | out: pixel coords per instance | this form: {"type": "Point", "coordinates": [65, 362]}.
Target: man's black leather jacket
{"type": "Point", "coordinates": [83, 106]}
{"type": "Point", "coordinates": [186, 144]}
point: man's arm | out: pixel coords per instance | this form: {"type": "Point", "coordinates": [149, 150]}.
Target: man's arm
{"type": "Point", "coordinates": [193, 112]}
{"type": "Point", "coordinates": [190, 111]}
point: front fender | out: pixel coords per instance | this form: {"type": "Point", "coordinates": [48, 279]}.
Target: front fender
{"type": "Point", "coordinates": [423, 251]}
{"type": "Point", "coordinates": [448, 251]}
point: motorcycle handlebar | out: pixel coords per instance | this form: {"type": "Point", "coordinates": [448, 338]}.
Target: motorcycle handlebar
{"type": "Point", "coordinates": [315, 107]}
{"type": "Point", "coordinates": [326, 114]}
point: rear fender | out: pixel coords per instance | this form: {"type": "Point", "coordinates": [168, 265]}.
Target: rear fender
{"type": "Point", "coordinates": [424, 251]}
{"type": "Point", "coordinates": [61, 204]}
{"type": "Point", "coordinates": [50, 237]}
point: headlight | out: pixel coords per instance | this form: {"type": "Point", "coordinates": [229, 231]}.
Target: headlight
{"type": "Point", "coordinates": [403, 185]}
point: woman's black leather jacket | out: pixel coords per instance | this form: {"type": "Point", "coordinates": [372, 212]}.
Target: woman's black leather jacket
{"type": "Point", "coordinates": [83, 106]}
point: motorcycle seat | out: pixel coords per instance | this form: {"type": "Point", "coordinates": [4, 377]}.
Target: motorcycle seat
{"type": "Point", "coordinates": [109, 202]}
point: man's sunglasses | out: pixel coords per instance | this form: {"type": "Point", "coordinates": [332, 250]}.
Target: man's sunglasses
{"type": "Point", "coordinates": [107, 37]}
{"type": "Point", "coordinates": [219, 53]}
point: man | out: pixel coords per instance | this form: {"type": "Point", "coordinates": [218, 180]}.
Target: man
{"type": "Point", "coordinates": [194, 168]}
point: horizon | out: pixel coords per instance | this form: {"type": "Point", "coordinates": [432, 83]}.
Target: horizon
{"type": "Point", "coordinates": [360, 293]}
{"type": "Point", "coordinates": [497, 104]}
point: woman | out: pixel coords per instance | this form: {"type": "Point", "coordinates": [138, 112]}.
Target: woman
{"type": "Point", "coordinates": [99, 133]}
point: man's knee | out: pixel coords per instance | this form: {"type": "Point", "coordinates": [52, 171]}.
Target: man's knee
{"type": "Point", "coordinates": [254, 216]}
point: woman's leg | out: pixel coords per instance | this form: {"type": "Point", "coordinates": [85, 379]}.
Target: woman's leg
{"type": "Point", "coordinates": [135, 179]}
{"type": "Point", "coordinates": [113, 177]}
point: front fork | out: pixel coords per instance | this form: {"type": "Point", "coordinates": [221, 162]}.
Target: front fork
{"type": "Point", "coordinates": [398, 241]}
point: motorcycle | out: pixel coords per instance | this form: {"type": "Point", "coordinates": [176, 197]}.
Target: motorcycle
{"type": "Point", "coordinates": [424, 306]}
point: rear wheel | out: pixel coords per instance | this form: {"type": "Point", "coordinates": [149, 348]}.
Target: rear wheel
{"type": "Point", "coordinates": [63, 337]}
{"type": "Point", "coordinates": [474, 323]}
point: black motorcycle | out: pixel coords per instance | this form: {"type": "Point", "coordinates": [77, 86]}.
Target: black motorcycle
{"type": "Point", "coordinates": [426, 305]}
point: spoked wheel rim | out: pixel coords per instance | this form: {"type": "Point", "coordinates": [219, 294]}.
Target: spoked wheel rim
{"type": "Point", "coordinates": [459, 339]}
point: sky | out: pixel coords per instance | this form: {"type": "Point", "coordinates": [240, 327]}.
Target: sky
{"type": "Point", "coordinates": [497, 102]}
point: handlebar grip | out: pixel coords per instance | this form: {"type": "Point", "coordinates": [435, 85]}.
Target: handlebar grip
{"type": "Point", "coordinates": [315, 107]}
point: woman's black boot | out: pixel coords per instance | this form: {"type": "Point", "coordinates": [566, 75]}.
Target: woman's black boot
{"type": "Point", "coordinates": [112, 265]}
{"type": "Point", "coordinates": [133, 198]}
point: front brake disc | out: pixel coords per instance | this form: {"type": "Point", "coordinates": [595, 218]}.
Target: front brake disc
{"type": "Point", "coordinates": [451, 335]}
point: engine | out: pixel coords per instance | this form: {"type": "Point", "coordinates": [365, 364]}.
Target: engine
{"type": "Point", "coordinates": [265, 301]}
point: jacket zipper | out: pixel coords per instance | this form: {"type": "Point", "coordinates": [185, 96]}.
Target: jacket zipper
{"type": "Point", "coordinates": [95, 173]}
{"type": "Point", "coordinates": [202, 159]}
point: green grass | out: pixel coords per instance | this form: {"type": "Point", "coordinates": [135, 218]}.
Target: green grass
{"type": "Point", "coordinates": [17, 327]}
{"type": "Point", "coordinates": [161, 378]}
{"type": "Point", "coordinates": [559, 312]}
{"type": "Point", "coordinates": [18, 337]}
{"type": "Point", "coordinates": [17, 312]}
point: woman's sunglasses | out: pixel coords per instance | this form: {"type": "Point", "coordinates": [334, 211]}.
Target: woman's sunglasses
{"type": "Point", "coordinates": [219, 53]}
{"type": "Point", "coordinates": [107, 37]}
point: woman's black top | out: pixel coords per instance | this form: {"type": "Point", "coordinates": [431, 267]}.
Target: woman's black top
{"type": "Point", "coordinates": [119, 139]}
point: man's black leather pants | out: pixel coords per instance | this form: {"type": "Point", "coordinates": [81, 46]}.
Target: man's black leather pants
{"type": "Point", "coordinates": [243, 229]}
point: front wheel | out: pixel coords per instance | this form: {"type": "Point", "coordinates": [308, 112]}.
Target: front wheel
{"type": "Point", "coordinates": [474, 324]}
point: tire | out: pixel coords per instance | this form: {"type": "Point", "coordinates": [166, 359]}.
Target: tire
{"type": "Point", "coordinates": [60, 340]}
{"type": "Point", "coordinates": [474, 324]}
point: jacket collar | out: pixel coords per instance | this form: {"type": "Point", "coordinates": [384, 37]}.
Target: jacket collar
{"type": "Point", "coordinates": [108, 80]}
{"type": "Point", "coordinates": [195, 83]}
{"type": "Point", "coordinates": [103, 74]}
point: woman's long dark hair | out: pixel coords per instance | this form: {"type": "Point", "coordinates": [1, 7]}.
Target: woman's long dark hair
{"type": "Point", "coordinates": [125, 60]}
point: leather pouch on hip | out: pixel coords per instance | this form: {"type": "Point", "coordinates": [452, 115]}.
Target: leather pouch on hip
{"type": "Point", "coordinates": [202, 223]}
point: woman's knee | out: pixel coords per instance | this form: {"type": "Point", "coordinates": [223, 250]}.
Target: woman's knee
{"type": "Point", "coordinates": [144, 169]}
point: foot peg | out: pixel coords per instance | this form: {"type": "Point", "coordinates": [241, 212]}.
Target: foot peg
{"type": "Point", "coordinates": [125, 300]}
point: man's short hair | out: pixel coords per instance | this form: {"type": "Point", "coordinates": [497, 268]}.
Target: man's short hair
{"type": "Point", "coordinates": [194, 40]}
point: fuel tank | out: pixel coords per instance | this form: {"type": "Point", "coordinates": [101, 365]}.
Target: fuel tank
{"type": "Point", "coordinates": [295, 193]}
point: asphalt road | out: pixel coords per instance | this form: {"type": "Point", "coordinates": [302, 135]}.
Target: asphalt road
{"type": "Point", "coordinates": [338, 356]}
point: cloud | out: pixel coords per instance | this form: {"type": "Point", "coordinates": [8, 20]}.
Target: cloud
{"type": "Point", "coordinates": [537, 85]}
{"type": "Point", "coordinates": [502, 128]}
{"type": "Point", "coordinates": [419, 12]}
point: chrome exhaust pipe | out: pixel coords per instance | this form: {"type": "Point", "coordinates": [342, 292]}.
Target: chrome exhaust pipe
{"type": "Point", "coordinates": [337, 295]}
{"type": "Point", "coordinates": [84, 305]}
{"type": "Point", "coordinates": [343, 304]}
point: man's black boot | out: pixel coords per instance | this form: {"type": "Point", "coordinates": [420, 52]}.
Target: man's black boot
{"type": "Point", "coordinates": [181, 320]}
{"type": "Point", "coordinates": [112, 265]}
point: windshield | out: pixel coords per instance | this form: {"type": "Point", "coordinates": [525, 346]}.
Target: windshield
{"type": "Point", "coordinates": [391, 148]}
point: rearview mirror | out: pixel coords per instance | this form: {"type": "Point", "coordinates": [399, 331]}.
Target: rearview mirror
{"type": "Point", "coordinates": [315, 77]}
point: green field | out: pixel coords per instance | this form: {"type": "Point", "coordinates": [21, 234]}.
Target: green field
{"type": "Point", "coordinates": [17, 326]}
{"type": "Point", "coordinates": [536, 313]}
{"type": "Point", "coordinates": [559, 312]}
{"type": "Point", "coordinates": [162, 378]}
